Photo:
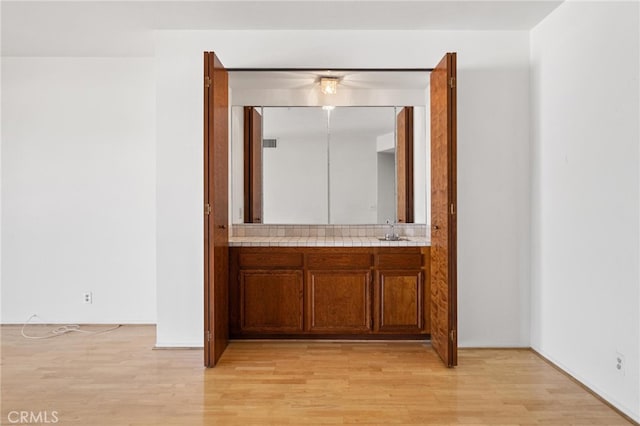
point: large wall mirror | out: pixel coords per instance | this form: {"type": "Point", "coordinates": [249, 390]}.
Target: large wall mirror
{"type": "Point", "coordinates": [300, 157]}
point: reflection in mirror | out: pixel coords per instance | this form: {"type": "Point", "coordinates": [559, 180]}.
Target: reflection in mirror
{"type": "Point", "coordinates": [295, 175]}
{"type": "Point", "coordinates": [294, 163]}
{"type": "Point", "coordinates": [359, 190]}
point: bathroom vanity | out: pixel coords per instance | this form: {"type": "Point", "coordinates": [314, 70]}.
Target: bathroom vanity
{"type": "Point", "coordinates": [335, 287]}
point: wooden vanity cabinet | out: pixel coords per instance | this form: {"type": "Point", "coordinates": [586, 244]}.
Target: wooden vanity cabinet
{"type": "Point", "coordinates": [265, 292]}
{"type": "Point", "coordinates": [400, 296]}
{"type": "Point", "coordinates": [271, 301]}
{"type": "Point", "coordinates": [337, 292]}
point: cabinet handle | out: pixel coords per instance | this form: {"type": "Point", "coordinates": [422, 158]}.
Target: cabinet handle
{"type": "Point", "coordinates": [222, 226]}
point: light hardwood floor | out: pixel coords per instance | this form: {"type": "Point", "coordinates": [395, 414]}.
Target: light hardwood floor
{"type": "Point", "coordinates": [117, 379]}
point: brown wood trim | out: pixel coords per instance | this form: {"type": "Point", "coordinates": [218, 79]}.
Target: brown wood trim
{"type": "Point", "coordinates": [453, 199]}
{"type": "Point", "coordinates": [234, 291]}
{"type": "Point", "coordinates": [583, 386]}
{"type": "Point", "coordinates": [247, 163]}
{"type": "Point", "coordinates": [409, 166]}
{"type": "Point", "coordinates": [426, 254]}
{"type": "Point", "coordinates": [332, 69]}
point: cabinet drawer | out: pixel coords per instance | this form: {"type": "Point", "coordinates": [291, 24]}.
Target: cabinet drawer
{"type": "Point", "coordinates": [270, 259]}
{"type": "Point", "coordinates": [339, 261]}
{"type": "Point", "coordinates": [399, 261]}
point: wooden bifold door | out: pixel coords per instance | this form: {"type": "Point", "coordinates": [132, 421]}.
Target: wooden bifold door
{"type": "Point", "coordinates": [395, 289]}
{"type": "Point", "coordinates": [443, 211]}
{"type": "Point", "coordinates": [216, 209]}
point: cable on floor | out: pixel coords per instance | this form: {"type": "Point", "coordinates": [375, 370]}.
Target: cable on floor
{"type": "Point", "coordinates": [63, 329]}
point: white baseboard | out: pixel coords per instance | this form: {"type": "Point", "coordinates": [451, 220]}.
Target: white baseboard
{"type": "Point", "coordinates": [128, 322]}
{"type": "Point", "coordinates": [179, 345]}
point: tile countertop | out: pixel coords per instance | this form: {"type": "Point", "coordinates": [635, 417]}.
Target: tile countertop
{"type": "Point", "coordinates": [325, 242]}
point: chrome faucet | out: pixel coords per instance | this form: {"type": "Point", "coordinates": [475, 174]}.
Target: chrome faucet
{"type": "Point", "coordinates": [391, 236]}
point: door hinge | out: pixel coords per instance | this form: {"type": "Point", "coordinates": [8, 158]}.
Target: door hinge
{"type": "Point", "coordinates": [452, 335]}
{"type": "Point", "coordinates": [452, 208]}
{"type": "Point", "coordinates": [452, 82]}
{"type": "Point", "coordinates": [207, 81]}
{"type": "Point", "coordinates": [208, 336]}
{"type": "Point", "coordinates": [207, 208]}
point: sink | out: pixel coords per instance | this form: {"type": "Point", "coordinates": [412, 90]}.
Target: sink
{"type": "Point", "coordinates": [393, 239]}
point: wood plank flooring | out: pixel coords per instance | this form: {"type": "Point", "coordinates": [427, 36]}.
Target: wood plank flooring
{"type": "Point", "coordinates": [117, 379]}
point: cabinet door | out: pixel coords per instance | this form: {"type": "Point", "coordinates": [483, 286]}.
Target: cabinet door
{"type": "Point", "coordinates": [271, 301]}
{"type": "Point", "coordinates": [339, 301]}
{"type": "Point", "coordinates": [399, 301]}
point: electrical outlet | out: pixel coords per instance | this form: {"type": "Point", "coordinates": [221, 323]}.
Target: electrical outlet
{"type": "Point", "coordinates": [87, 297]}
{"type": "Point", "coordinates": [620, 364]}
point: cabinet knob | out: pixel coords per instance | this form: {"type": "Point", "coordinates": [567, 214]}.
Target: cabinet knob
{"type": "Point", "coordinates": [435, 227]}
{"type": "Point", "coordinates": [222, 226]}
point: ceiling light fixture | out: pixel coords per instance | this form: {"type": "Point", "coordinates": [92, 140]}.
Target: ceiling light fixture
{"type": "Point", "coordinates": [329, 85]}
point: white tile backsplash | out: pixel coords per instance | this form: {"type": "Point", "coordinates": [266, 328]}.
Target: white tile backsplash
{"type": "Point", "coordinates": [344, 231]}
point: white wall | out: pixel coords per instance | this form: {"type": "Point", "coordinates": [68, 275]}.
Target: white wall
{"type": "Point", "coordinates": [493, 149]}
{"type": "Point", "coordinates": [585, 193]}
{"type": "Point", "coordinates": [78, 189]}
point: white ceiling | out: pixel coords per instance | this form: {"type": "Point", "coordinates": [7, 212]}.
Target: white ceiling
{"type": "Point", "coordinates": [108, 28]}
